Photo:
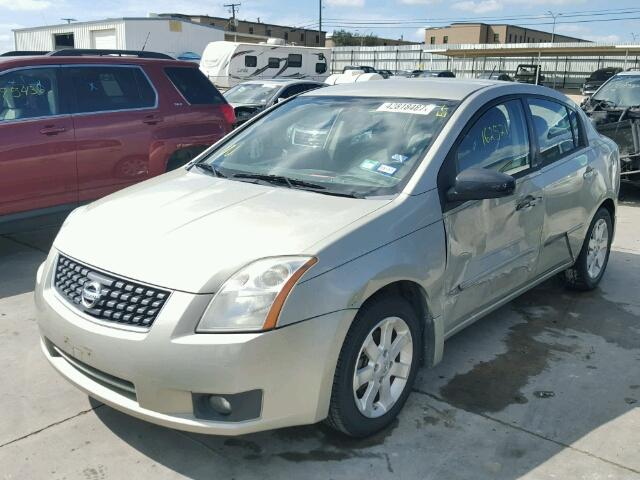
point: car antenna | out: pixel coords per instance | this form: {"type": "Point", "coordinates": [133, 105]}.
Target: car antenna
{"type": "Point", "coordinates": [145, 41]}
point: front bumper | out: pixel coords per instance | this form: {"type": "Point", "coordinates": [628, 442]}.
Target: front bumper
{"type": "Point", "coordinates": [291, 367]}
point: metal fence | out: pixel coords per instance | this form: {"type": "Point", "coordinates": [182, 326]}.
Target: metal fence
{"type": "Point", "coordinates": [565, 71]}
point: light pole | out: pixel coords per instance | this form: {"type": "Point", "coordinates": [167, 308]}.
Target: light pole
{"type": "Point", "coordinates": [553, 30]}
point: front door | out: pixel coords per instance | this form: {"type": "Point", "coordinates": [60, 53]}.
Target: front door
{"type": "Point", "coordinates": [493, 244]}
{"type": "Point", "coordinates": [115, 118]}
{"type": "Point", "coordinates": [37, 150]}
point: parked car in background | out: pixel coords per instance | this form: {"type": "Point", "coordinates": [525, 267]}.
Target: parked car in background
{"type": "Point", "coordinates": [364, 68]}
{"type": "Point", "coordinates": [250, 98]}
{"type": "Point", "coordinates": [496, 76]}
{"type": "Point", "coordinates": [529, 74]}
{"type": "Point", "coordinates": [615, 111]}
{"type": "Point", "coordinates": [311, 262]}
{"type": "Point", "coordinates": [597, 79]}
{"type": "Point", "coordinates": [437, 74]}
{"type": "Point", "coordinates": [75, 128]}
{"type": "Point", "coordinates": [386, 73]}
{"type": "Point", "coordinates": [414, 73]}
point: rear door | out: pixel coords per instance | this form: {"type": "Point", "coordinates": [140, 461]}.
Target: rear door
{"type": "Point", "coordinates": [201, 116]}
{"type": "Point", "coordinates": [115, 116]}
{"type": "Point", "coordinates": [37, 147]}
{"type": "Point", "coordinates": [493, 244]}
{"type": "Point", "coordinates": [568, 176]}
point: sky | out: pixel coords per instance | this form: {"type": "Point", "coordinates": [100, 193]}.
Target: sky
{"type": "Point", "coordinates": [411, 16]}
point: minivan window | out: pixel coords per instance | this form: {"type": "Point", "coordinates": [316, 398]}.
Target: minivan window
{"type": "Point", "coordinates": [498, 140]}
{"type": "Point", "coordinates": [553, 130]}
{"type": "Point", "coordinates": [104, 88]}
{"type": "Point", "coordinates": [294, 60]}
{"type": "Point", "coordinates": [29, 93]}
{"type": "Point", "coordinates": [367, 146]}
{"type": "Point", "coordinates": [194, 86]}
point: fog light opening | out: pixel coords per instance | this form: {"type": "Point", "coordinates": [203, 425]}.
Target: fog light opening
{"type": "Point", "coordinates": [220, 404]}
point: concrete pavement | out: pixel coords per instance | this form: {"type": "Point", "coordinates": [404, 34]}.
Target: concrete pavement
{"type": "Point", "coordinates": [546, 387]}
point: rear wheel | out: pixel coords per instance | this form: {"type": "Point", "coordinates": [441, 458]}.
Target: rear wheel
{"type": "Point", "coordinates": [589, 268]}
{"type": "Point", "coordinates": [376, 368]}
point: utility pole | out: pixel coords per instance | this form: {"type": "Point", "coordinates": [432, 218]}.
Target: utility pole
{"type": "Point", "coordinates": [320, 22]}
{"type": "Point", "coordinates": [553, 31]}
{"type": "Point", "coordinates": [233, 7]}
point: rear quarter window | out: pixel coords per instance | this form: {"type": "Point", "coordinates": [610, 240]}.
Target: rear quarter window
{"type": "Point", "coordinates": [194, 86]}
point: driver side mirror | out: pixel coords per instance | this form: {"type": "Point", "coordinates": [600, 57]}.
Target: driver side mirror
{"type": "Point", "coordinates": [480, 184]}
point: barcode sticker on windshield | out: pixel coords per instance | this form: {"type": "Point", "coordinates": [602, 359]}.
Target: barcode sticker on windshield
{"type": "Point", "coordinates": [415, 108]}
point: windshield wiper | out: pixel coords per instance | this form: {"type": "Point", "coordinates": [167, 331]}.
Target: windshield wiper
{"type": "Point", "coordinates": [210, 168]}
{"type": "Point", "coordinates": [295, 183]}
{"type": "Point", "coordinates": [290, 182]}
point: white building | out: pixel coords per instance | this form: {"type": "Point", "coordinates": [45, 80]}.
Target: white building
{"type": "Point", "coordinates": [165, 35]}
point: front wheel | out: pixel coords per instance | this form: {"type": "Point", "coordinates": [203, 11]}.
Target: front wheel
{"type": "Point", "coordinates": [590, 265]}
{"type": "Point", "coordinates": [376, 368]}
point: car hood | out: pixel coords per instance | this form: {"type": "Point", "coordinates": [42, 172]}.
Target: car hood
{"type": "Point", "coordinates": [189, 231]}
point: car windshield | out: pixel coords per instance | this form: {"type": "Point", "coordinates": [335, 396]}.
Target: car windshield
{"type": "Point", "coordinates": [358, 146]}
{"type": "Point", "coordinates": [251, 93]}
{"type": "Point", "coordinates": [621, 91]}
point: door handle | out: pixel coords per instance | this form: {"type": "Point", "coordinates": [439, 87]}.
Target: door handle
{"type": "Point", "coordinates": [52, 130]}
{"type": "Point", "coordinates": [528, 202]}
{"type": "Point", "coordinates": [589, 172]}
{"type": "Point", "coordinates": [152, 119]}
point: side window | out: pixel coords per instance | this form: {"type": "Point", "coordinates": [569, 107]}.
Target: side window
{"type": "Point", "coordinates": [578, 140]}
{"type": "Point", "coordinates": [29, 93]}
{"type": "Point", "coordinates": [294, 60]}
{"type": "Point", "coordinates": [100, 89]}
{"type": "Point", "coordinates": [321, 67]}
{"type": "Point", "coordinates": [497, 140]}
{"type": "Point", "coordinates": [250, 61]}
{"type": "Point", "coordinates": [274, 62]}
{"type": "Point", "coordinates": [553, 129]}
{"type": "Point", "coordinates": [194, 86]}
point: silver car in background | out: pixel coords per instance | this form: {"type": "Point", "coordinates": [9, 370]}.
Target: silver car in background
{"type": "Point", "coordinates": [304, 267]}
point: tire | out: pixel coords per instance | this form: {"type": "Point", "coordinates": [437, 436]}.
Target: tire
{"type": "Point", "coordinates": [397, 316]}
{"type": "Point", "coordinates": [583, 275]}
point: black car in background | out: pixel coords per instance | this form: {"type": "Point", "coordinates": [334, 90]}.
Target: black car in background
{"type": "Point", "coordinates": [496, 76]}
{"type": "Point", "coordinates": [437, 74]}
{"type": "Point", "coordinates": [597, 79]}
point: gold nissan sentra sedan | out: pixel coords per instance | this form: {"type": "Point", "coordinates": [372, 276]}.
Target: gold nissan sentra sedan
{"type": "Point", "coordinates": [304, 267]}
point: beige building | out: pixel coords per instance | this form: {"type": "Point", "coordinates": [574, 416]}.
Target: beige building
{"type": "Point", "coordinates": [460, 33]}
{"type": "Point", "coordinates": [255, 32]}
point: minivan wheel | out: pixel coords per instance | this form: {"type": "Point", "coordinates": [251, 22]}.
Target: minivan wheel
{"type": "Point", "coordinates": [589, 268]}
{"type": "Point", "coordinates": [376, 367]}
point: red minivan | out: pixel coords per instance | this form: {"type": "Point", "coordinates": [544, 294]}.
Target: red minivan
{"type": "Point", "coordinates": [75, 128]}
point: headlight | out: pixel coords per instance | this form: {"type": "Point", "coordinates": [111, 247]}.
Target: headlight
{"type": "Point", "coordinates": [252, 298]}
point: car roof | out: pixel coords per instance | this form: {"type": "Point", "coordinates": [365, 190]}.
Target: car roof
{"type": "Point", "coordinates": [440, 88]}
{"type": "Point", "coordinates": [26, 61]}
{"type": "Point", "coordinates": [629, 73]}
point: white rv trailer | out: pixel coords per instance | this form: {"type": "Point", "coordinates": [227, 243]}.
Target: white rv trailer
{"type": "Point", "coordinates": [228, 63]}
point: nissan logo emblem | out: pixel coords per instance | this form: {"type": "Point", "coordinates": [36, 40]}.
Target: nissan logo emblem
{"type": "Point", "coordinates": [91, 293]}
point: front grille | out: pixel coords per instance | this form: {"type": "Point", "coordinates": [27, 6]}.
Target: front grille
{"type": "Point", "coordinates": [111, 299]}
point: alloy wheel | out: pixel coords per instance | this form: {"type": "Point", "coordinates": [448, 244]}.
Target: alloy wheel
{"type": "Point", "coordinates": [597, 248]}
{"type": "Point", "coordinates": [383, 366]}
